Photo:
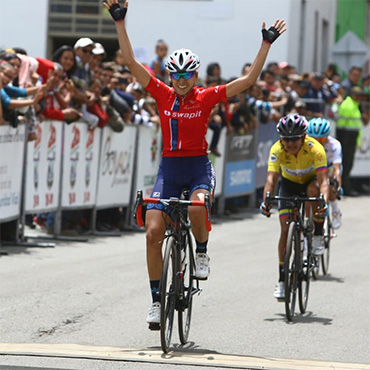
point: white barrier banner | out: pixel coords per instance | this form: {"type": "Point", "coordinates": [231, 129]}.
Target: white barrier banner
{"type": "Point", "coordinates": [80, 165]}
{"type": "Point", "coordinates": [361, 165]}
{"type": "Point", "coordinates": [116, 166]}
{"type": "Point", "coordinates": [43, 167]}
{"type": "Point", "coordinates": [11, 166]}
{"type": "Point", "coordinates": [218, 163]}
{"type": "Point", "coordinates": [148, 158]}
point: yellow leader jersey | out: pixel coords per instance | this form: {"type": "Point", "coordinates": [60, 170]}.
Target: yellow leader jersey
{"type": "Point", "coordinates": [310, 159]}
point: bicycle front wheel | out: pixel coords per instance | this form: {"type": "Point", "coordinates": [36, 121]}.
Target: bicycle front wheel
{"type": "Point", "coordinates": [304, 275]}
{"type": "Point", "coordinates": [168, 291]}
{"type": "Point", "coordinates": [291, 264]}
{"type": "Point", "coordinates": [186, 289]}
{"type": "Point", "coordinates": [328, 232]}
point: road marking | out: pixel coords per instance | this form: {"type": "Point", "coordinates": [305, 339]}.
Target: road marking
{"type": "Point", "coordinates": [155, 356]}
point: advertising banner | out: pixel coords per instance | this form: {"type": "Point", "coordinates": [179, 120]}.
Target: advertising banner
{"type": "Point", "coordinates": [240, 166]}
{"type": "Point", "coordinates": [43, 168]}
{"type": "Point", "coordinates": [80, 165]}
{"type": "Point", "coordinates": [11, 167]}
{"type": "Point", "coordinates": [267, 136]}
{"type": "Point", "coordinates": [148, 158]}
{"type": "Point", "coordinates": [116, 167]}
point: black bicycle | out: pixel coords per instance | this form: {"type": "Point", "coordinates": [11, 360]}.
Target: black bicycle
{"type": "Point", "coordinates": [298, 259]}
{"type": "Point", "coordinates": [178, 283]}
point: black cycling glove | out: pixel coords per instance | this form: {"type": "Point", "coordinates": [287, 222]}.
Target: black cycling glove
{"type": "Point", "coordinates": [117, 13]}
{"type": "Point", "coordinates": [270, 35]}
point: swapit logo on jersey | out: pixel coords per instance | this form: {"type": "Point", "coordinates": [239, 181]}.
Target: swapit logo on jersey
{"type": "Point", "coordinates": [177, 115]}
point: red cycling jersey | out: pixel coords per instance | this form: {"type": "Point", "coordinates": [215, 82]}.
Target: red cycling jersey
{"type": "Point", "coordinates": [184, 121]}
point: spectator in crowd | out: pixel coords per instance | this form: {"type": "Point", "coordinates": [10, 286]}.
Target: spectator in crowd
{"type": "Point", "coordinates": [117, 63]}
{"type": "Point", "coordinates": [348, 130]}
{"type": "Point", "coordinates": [245, 69]}
{"type": "Point", "coordinates": [97, 55]}
{"type": "Point", "coordinates": [269, 78]}
{"type": "Point", "coordinates": [65, 55]}
{"type": "Point", "coordinates": [2, 120]}
{"type": "Point", "coordinates": [285, 69]}
{"type": "Point", "coordinates": [157, 64]}
{"type": "Point", "coordinates": [98, 106]}
{"type": "Point", "coordinates": [353, 79]}
{"type": "Point", "coordinates": [214, 70]}
{"type": "Point", "coordinates": [218, 117]}
{"type": "Point", "coordinates": [320, 92]}
{"type": "Point", "coordinates": [261, 108]}
{"type": "Point", "coordinates": [81, 78]}
{"type": "Point", "coordinates": [10, 103]}
{"type": "Point", "coordinates": [58, 97]}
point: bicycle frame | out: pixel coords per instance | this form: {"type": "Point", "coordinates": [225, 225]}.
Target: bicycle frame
{"type": "Point", "coordinates": [296, 268]}
{"type": "Point", "coordinates": [178, 284]}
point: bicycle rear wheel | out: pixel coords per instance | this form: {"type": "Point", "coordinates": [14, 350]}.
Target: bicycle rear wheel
{"type": "Point", "coordinates": [186, 288]}
{"type": "Point", "coordinates": [168, 291]}
{"type": "Point", "coordinates": [291, 264]}
{"type": "Point", "coordinates": [328, 232]}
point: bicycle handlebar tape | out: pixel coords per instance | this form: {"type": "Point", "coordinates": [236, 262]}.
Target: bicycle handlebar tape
{"type": "Point", "coordinates": [118, 13]}
{"type": "Point", "coordinates": [270, 35]}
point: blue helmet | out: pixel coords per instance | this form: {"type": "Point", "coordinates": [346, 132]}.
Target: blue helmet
{"type": "Point", "coordinates": [318, 127]}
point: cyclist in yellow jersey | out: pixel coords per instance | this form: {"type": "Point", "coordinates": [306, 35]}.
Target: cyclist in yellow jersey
{"type": "Point", "coordinates": [301, 161]}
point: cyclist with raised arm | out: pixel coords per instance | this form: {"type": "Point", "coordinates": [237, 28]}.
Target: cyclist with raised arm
{"type": "Point", "coordinates": [301, 160]}
{"type": "Point", "coordinates": [319, 128]}
{"type": "Point", "coordinates": [184, 111]}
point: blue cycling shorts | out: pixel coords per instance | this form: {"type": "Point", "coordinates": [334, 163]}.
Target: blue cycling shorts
{"type": "Point", "coordinates": [178, 173]}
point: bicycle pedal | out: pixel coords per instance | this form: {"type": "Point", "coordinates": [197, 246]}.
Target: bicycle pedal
{"type": "Point", "coordinates": [154, 326]}
{"type": "Point", "coordinates": [280, 299]}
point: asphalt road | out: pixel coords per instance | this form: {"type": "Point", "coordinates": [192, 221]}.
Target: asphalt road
{"type": "Point", "coordinates": [83, 305]}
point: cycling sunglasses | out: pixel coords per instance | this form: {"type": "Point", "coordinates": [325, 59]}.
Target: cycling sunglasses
{"type": "Point", "coordinates": [291, 138]}
{"type": "Point", "coordinates": [185, 75]}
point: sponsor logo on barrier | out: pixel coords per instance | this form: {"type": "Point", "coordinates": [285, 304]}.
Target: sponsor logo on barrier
{"type": "Point", "coordinates": [36, 156]}
{"type": "Point", "coordinates": [51, 155]}
{"type": "Point", "coordinates": [116, 163]}
{"type": "Point", "coordinates": [49, 198]}
{"type": "Point", "coordinates": [36, 201]}
{"type": "Point", "coordinates": [89, 156]}
{"type": "Point", "coordinates": [75, 148]}
{"type": "Point", "coordinates": [240, 177]}
{"type": "Point", "coordinates": [241, 143]}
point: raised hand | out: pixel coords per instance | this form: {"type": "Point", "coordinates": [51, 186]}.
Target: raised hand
{"type": "Point", "coordinates": [274, 31]}
{"type": "Point", "coordinates": [117, 13]}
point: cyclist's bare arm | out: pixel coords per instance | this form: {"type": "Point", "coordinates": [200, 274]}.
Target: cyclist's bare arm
{"type": "Point", "coordinates": [322, 179]}
{"type": "Point", "coordinates": [242, 83]}
{"type": "Point", "coordinates": [271, 181]}
{"type": "Point", "coordinates": [337, 175]}
{"type": "Point", "coordinates": [141, 74]}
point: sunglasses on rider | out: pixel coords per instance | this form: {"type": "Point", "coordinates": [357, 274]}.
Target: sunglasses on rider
{"type": "Point", "coordinates": [87, 51]}
{"type": "Point", "coordinates": [185, 75]}
{"type": "Point", "coordinates": [291, 138]}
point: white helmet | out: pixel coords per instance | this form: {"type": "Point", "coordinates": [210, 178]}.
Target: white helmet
{"type": "Point", "coordinates": [182, 60]}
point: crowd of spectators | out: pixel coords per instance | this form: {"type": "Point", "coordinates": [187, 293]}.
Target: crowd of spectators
{"type": "Point", "coordinates": [79, 83]}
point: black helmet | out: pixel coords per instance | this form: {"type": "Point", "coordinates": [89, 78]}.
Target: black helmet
{"type": "Point", "coordinates": [292, 125]}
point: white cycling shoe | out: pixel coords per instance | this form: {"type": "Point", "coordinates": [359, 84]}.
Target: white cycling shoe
{"type": "Point", "coordinates": [154, 315]}
{"type": "Point", "coordinates": [336, 220]}
{"type": "Point", "coordinates": [279, 292]}
{"type": "Point", "coordinates": [202, 269]}
{"type": "Point", "coordinates": [317, 245]}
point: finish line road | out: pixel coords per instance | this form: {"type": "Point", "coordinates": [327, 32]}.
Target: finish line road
{"type": "Point", "coordinates": [82, 306]}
